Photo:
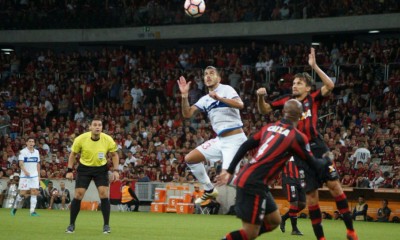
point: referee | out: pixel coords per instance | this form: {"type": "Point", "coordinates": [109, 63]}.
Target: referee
{"type": "Point", "coordinates": [93, 147]}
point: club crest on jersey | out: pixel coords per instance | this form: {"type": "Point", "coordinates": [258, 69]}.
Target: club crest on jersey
{"type": "Point", "coordinates": [279, 129]}
{"type": "Point", "coordinates": [306, 115]}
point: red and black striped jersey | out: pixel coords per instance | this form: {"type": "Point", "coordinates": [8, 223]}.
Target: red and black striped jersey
{"type": "Point", "coordinates": [309, 119]}
{"type": "Point", "coordinates": [276, 143]}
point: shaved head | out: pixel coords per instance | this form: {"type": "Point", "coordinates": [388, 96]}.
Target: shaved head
{"type": "Point", "coordinates": [293, 110]}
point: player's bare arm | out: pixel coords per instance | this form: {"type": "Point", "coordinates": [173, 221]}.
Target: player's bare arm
{"type": "Point", "coordinates": [328, 86]}
{"type": "Point", "coordinates": [38, 170]}
{"type": "Point", "coordinates": [234, 102]}
{"type": "Point", "coordinates": [115, 161]}
{"type": "Point", "coordinates": [263, 106]}
{"type": "Point", "coordinates": [22, 166]}
{"type": "Point", "coordinates": [71, 162]}
{"type": "Point", "coordinates": [187, 110]}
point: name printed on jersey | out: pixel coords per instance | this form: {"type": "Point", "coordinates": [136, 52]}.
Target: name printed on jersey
{"type": "Point", "coordinates": [279, 129]}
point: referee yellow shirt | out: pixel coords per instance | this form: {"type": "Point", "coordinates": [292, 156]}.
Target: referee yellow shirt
{"type": "Point", "coordinates": [93, 153]}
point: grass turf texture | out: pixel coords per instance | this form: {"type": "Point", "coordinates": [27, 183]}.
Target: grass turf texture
{"type": "Point", "coordinates": [144, 225]}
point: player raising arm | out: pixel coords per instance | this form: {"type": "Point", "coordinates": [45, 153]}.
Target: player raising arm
{"type": "Point", "coordinates": [301, 91]}
{"type": "Point", "coordinates": [277, 143]}
{"type": "Point", "coordinates": [222, 105]}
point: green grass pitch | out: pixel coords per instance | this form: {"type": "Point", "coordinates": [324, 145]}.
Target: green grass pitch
{"type": "Point", "coordinates": [51, 224]}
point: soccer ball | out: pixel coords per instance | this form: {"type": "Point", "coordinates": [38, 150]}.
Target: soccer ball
{"type": "Point", "coordinates": [194, 8]}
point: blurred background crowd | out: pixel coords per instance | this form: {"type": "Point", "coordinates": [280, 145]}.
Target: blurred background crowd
{"type": "Point", "coordinates": [47, 14]}
{"type": "Point", "coordinates": [52, 94]}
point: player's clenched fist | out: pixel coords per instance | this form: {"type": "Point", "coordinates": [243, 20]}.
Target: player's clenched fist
{"type": "Point", "coordinates": [261, 92]}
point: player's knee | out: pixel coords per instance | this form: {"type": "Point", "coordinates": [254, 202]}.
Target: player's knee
{"type": "Point", "coordinates": [275, 221]}
{"type": "Point", "coordinates": [195, 156]}
{"type": "Point", "coordinates": [79, 195]}
{"type": "Point", "coordinates": [335, 188]}
{"type": "Point", "coordinates": [312, 198]}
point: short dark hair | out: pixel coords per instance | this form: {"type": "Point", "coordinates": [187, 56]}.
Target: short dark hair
{"type": "Point", "coordinates": [213, 68]}
{"type": "Point", "coordinates": [304, 76]}
{"type": "Point", "coordinates": [33, 138]}
{"type": "Point", "coordinates": [96, 118]}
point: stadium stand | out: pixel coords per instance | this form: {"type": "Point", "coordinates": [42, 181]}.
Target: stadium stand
{"type": "Point", "coordinates": [51, 93]}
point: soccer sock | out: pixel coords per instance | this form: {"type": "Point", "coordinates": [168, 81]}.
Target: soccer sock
{"type": "Point", "coordinates": [316, 219]}
{"type": "Point", "coordinates": [17, 201]}
{"type": "Point", "coordinates": [105, 209]}
{"type": "Point", "coordinates": [293, 210]}
{"type": "Point", "coordinates": [285, 216]}
{"type": "Point", "coordinates": [75, 208]}
{"type": "Point", "coordinates": [265, 227]}
{"type": "Point", "coordinates": [200, 173]}
{"type": "Point", "coordinates": [33, 203]}
{"type": "Point", "coordinates": [343, 207]}
{"type": "Point", "coordinates": [236, 235]}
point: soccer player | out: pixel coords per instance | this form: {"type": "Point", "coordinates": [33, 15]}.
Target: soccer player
{"type": "Point", "coordinates": [222, 105]}
{"type": "Point", "coordinates": [29, 162]}
{"type": "Point", "coordinates": [292, 185]}
{"type": "Point", "coordinates": [276, 143]}
{"type": "Point", "coordinates": [308, 125]}
{"type": "Point", "coordinates": [93, 147]}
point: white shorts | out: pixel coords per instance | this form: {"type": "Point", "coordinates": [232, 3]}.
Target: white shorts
{"type": "Point", "coordinates": [28, 183]}
{"type": "Point", "coordinates": [222, 148]}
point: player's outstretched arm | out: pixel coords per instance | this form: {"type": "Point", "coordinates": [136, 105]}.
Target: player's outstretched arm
{"type": "Point", "coordinates": [187, 110]}
{"type": "Point", "coordinates": [326, 80]}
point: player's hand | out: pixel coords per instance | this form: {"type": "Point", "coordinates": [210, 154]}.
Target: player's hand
{"type": "Point", "coordinates": [26, 173]}
{"type": "Point", "coordinates": [311, 58]}
{"type": "Point", "coordinates": [223, 178]}
{"type": "Point", "coordinates": [261, 92]}
{"type": "Point", "coordinates": [114, 176]}
{"type": "Point", "coordinates": [214, 95]}
{"type": "Point", "coordinates": [69, 176]}
{"type": "Point", "coordinates": [183, 85]}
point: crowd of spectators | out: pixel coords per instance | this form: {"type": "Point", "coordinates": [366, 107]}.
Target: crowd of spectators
{"type": "Point", "coordinates": [51, 14]}
{"type": "Point", "coordinates": [52, 95]}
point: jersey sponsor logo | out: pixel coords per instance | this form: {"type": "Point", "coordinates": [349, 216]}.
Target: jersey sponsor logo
{"type": "Point", "coordinates": [306, 114]}
{"type": "Point", "coordinates": [279, 129]}
{"type": "Point", "coordinates": [31, 159]}
{"type": "Point", "coordinates": [216, 104]}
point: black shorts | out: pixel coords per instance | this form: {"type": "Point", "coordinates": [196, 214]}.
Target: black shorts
{"type": "Point", "coordinates": [314, 180]}
{"type": "Point", "coordinates": [294, 192]}
{"type": "Point", "coordinates": [86, 174]}
{"type": "Point", "coordinates": [252, 207]}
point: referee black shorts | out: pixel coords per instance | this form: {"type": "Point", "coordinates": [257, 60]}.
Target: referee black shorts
{"type": "Point", "coordinates": [86, 174]}
{"type": "Point", "coordinates": [253, 207]}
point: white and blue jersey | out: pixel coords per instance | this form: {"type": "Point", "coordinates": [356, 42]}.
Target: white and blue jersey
{"type": "Point", "coordinates": [31, 160]}
{"type": "Point", "coordinates": [223, 118]}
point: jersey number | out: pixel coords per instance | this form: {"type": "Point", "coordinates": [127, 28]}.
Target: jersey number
{"type": "Point", "coordinates": [264, 146]}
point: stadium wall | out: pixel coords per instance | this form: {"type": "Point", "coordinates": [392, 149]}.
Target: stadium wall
{"type": "Point", "coordinates": [223, 30]}
{"type": "Point", "coordinates": [145, 192]}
